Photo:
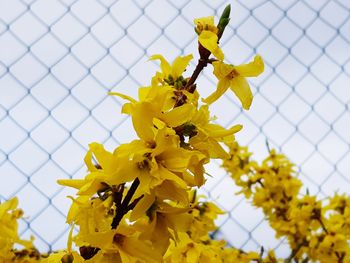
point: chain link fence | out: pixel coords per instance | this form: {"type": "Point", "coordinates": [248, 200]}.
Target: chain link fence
{"type": "Point", "coordinates": [59, 58]}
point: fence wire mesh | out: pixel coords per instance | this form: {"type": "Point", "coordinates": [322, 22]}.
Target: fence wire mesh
{"type": "Point", "coordinates": [59, 58]}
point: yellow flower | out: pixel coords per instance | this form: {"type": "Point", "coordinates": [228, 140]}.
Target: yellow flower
{"type": "Point", "coordinates": [161, 220]}
{"type": "Point", "coordinates": [155, 103]}
{"type": "Point", "coordinates": [233, 255]}
{"type": "Point", "coordinates": [233, 77]}
{"type": "Point", "coordinates": [171, 74]}
{"type": "Point", "coordinates": [205, 136]}
{"type": "Point", "coordinates": [123, 241]}
{"type": "Point", "coordinates": [65, 256]}
{"type": "Point", "coordinates": [158, 161]}
{"type": "Point", "coordinates": [207, 35]}
{"type": "Point", "coordinates": [185, 249]}
{"type": "Point", "coordinates": [107, 165]}
{"type": "Point", "coordinates": [204, 215]}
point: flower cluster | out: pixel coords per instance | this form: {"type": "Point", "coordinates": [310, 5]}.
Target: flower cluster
{"type": "Point", "coordinates": [316, 230]}
{"type": "Point", "coordinates": [9, 214]}
{"type": "Point", "coordinates": [139, 202]}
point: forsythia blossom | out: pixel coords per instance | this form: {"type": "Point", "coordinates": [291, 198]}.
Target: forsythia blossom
{"type": "Point", "coordinates": [139, 202]}
{"type": "Point", "coordinates": [208, 35]}
{"type": "Point", "coordinates": [233, 77]}
{"type": "Point", "coordinates": [316, 231]}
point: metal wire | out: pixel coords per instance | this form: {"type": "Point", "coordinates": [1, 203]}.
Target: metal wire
{"type": "Point", "coordinates": [59, 58]}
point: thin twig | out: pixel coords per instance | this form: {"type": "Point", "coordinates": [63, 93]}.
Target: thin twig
{"type": "Point", "coordinates": [322, 225]}
{"type": "Point", "coordinates": [294, 252]}
{"type": "Point", "coordinates": [202, 63]}
{"type": "Point", "coordinates": [124, 207]}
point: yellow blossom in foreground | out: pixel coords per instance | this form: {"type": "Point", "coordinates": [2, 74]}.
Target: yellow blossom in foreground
{"type": "Point", "coordinates": [64, 256]}
{"type": "Point", "coordinates": [207, 135]}
{"type": "Point", "coordinates": [123, 242]}
{"type": "Point", "coordinates": [233, 255]}
{"type": "Point", "coordinates": [186, 250]}
{"type": "Point", "coordinates": [207, 35]}
{"type": "Point", "coordinates": [233, 77]}
{"type": "Point", "coordinates": [139, 203]}
{"type": "Point", "coordinates": [155, 103]}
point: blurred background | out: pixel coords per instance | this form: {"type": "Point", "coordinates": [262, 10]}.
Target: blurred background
{"type": "Point", "coordinates": [59, 58]}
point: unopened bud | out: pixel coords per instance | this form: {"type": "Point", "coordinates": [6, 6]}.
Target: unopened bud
{"type": "Point", "coordinates": [224, 19]}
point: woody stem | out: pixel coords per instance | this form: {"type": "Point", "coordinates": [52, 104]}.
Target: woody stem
{"type": "Point", "coordinates": [202, 63]}
{"type": "Point", "coordinates": [125, 207]}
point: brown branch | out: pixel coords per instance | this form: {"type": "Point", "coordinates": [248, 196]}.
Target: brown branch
{"type": "Point", "coordinates": [124, 206]}
{"type": "Point", "coordinates": [134, 203]}
{"type": "Point", "coordinates": [295, 252]}
{"type": "Point", "coordinates": [202, 63]}
{"type": "Point", "coordinates": [322, 225]}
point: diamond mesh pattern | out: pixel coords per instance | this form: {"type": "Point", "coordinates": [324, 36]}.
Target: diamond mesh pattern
{"type": "Point", "coordinates": [59, 58]}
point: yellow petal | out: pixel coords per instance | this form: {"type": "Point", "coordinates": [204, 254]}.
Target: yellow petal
{"type": "Point", "coordinates": [193, 255]}
{"type": "Point", "coordinates": [103, 157]}
{"type": "Point", "coordinates": [90, 187]}
{"type": "Point", "coordinates": [179, 222]}
{"type": "Point", "coordinates": [218, 53]}
{"type": "Point", "coordinates": [252, 69]}
{"type": "Point", "coordinates": [128, 150]}
{"type": "Point", "coordinates": [78, 258]}
{"type": "Point", "coordinates": [222, 86]}
{"type": "Point", "coordinates": [164, 65]}
{"type": "Point", "coordinates": [147, 182]}
{"type": "Point", "coordinates": [126, 258]}
{"type": "Point", "coordinates": [123, 96]}
{"type": "Point", "coordinates": [158, 234]}
{"type": "Point", "coordinates": [179, 65]}
{"type": "Point", "coordinates": [240, 87]}
{"type": "Point", "coordinates": [105, 257]}
{"type": "Point", "coordinates": [165, 174]}
{"type": "Point", "coordinates": [211, 146]}
{"type": "Point", "coordinates": [75, 207]}
{"type": "Point", "coordinates": [179, 115]}
{"type": "Point", "coordinates": [207, 20]}
{"type": "Point", "coordinates": [221, 70]}
{"type": "Point", "coordinates": [127, 172]}
{"type": "Point", "coordinates": [140, 250]}
{"type": "Point", "coordinates": [143, 93]}
{"type": "Point", "coordinates": [209, 40]}
{"type": "Point", "coordinates": [88, 161]}
{"type": "Point", "coordinates": [216, 131]}
{"type": "Point", "coordinates": [8, 205]}
{"type": "Point", "coordinates": [166, 208]}
{"type": "Point", "coordinates": [127, 108]}
{"type": "Point", "coordinates": [236, 128]}
{"type": "Point", "coordinates": [70, 239]}
{"type": "Point", "coordinates": [159, 124]}
{"type": "Point", "coordinates": [75, 183]}
{"type": "Point", "coordinates": [171, 191]}
{"type": "Point", "coordinates": [142, 120]}
{"type": "Point", "coordinates": [202, 116]}
{"type": "Point", "coordinates": [54, 257]}
{"type": "Point", "coordinates": [98, 239]}
{"type": "Point", "coordinates": [142, 206]}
